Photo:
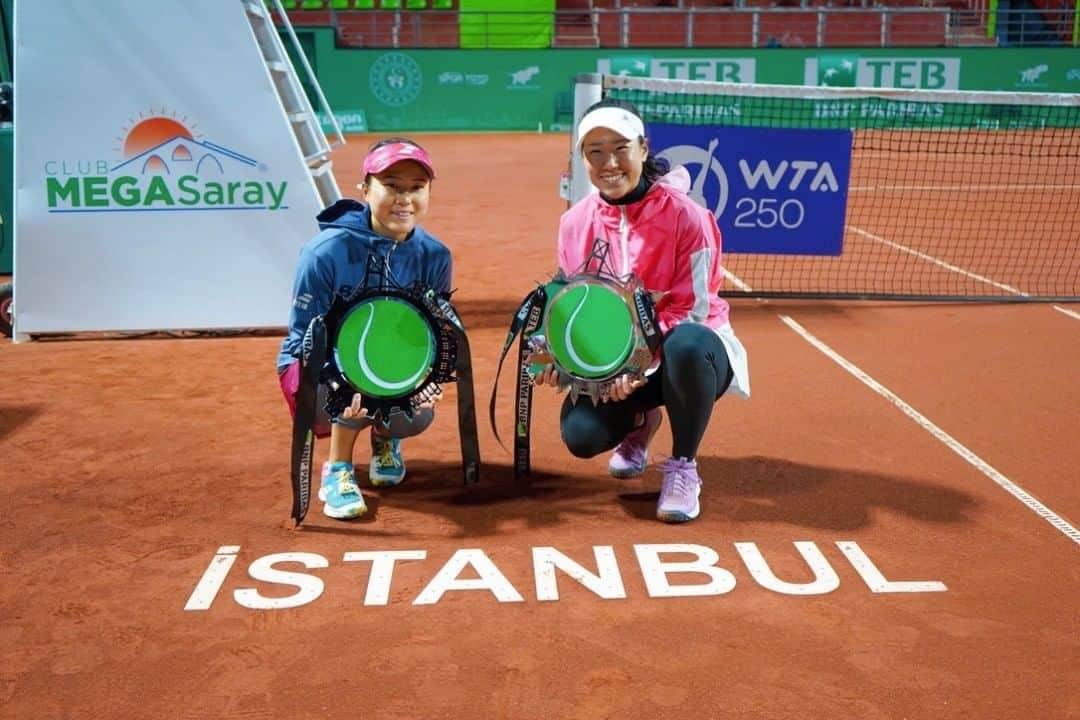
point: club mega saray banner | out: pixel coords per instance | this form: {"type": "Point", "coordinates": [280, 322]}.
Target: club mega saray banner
{"type": "Point", "coordinates": [158, 182]}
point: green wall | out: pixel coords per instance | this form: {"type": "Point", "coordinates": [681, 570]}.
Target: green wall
{"type": "Point", "coordinates": [487, 24]}
{"type": "Point", "coordinates": [411, 90]}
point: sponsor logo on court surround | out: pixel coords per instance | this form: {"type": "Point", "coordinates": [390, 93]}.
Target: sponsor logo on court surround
{"type": "Point", "coordinates": [851, 70]}
{"type": "Point", "coordinates": [395, 79]}
{"type": "Point", "coordinates": [726, 69]}
{"type": "Point", "coordinates": [524, 78]}
{"type": "Point", "coordinates": [1035, 76]}
{"type": "Point", "coordinates": [165, 164]}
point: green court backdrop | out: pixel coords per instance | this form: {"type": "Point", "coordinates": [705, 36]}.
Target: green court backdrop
{"type": "Point", "coordinates": [420, 90]}
{"type": "Point", "coordinates": [487, 24]}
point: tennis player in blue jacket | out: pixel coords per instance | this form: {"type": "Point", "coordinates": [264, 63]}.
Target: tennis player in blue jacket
{"type": "Point", "coordinates": [394, 197]}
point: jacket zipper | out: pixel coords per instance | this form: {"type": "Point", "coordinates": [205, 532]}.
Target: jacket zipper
{"type": "Point", "coordinates": [624, 237]}
{"type": "Point", "coordinates": [389, 257]}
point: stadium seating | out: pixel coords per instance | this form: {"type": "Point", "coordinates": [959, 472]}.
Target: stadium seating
{"type": "Point", "coordinates": [1058, 18]}
{"type": "Point", "coordinates": [315, 5]}
{"type": "Point", "coordinates": [666, 24]}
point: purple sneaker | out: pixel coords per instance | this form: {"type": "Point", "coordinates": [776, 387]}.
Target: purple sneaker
{"type": "Point", "coordinates": [679, 491]}
{"type": "Point", "coordinates": [632, 454]}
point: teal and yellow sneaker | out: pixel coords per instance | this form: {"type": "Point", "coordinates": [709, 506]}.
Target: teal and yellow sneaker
{"type": "Point", "coordinates": [387, 467]}
{"type": "Point", "coordinates": [340, 493]}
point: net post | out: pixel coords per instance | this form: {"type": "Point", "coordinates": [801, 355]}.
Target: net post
{"type": "Point", "coordinates": [587, 90]}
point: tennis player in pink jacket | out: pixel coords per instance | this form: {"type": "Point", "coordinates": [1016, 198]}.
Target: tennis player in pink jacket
{"type": "Point", "coordinates": [657, 232]}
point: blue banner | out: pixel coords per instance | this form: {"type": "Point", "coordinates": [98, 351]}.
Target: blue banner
{"type": "Point", "coordinates": [774, 191]}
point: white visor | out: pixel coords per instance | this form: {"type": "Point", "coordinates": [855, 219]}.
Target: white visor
{"type": "Point", "coordinates": [621, 121]}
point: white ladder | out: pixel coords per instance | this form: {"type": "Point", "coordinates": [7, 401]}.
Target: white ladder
{"type": "Point", "coordinates": [302, 118]}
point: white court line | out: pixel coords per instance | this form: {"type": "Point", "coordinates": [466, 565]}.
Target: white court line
{"type": "Point", "coordinates": [939, 263]}
{"type": "Point", "coordinates": [922, 421]}
{"type": "Point", "coordinates": [964, 188]}
{"type": "Point", "coordinates": [1070, 313]}
{"type": "Point", "coordinates": [734, 280]}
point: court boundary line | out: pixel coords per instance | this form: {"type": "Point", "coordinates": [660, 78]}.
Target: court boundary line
{"type": "Point", "coordinates": [936, 261]}
{"type": "Point", "coordinates": [1074, 315]}
{"type": "Point", "coordinates": [738, 283]}
{"type": "Point", "coordinates": [1055, 520]}
{"type": "Point", "coordinates": [735, 280]}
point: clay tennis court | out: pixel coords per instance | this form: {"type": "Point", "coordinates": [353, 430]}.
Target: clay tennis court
{"type": "Point", "coordinates": [892, 512]}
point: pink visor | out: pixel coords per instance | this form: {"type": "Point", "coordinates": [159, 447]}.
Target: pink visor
{"type": "Point", "coordinates": [383, 157]}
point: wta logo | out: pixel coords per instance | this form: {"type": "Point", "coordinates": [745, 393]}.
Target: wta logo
{"type": "Point", "coordinates": [711, 189]}
{"type": "Point", "coordinates": [772, 190]}
{"type": "Point", "coordinates": [165, 165]}
{"type": "Point", "coordinates": [709, 183]}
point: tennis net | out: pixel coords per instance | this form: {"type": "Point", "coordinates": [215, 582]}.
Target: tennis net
{"type": "Point", "coordinates": [872, 193]}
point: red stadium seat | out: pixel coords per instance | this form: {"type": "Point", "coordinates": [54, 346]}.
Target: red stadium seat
{"type": "Point", "coordinates": [721, 29]}
{"type": "Point", "coordinates": [799, 28]}
{"type": "Point", "coordinates": [659, 29]}
{"type": "Point", "coordinates": [852, 29]}
{"type": "Point", "coordinates": [917, 29]}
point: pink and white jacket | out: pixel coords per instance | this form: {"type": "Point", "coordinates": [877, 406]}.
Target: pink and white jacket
{"type": "Point", "coordinates": [668, 241]}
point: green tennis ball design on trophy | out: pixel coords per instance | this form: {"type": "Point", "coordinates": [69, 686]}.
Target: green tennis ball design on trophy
{"type": "Point", "coordinates": [385, 347]}
{"type": "Point", "coordinates": [590, 331]}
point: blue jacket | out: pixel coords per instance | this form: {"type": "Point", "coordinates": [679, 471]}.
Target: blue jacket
{"type": "Point", "coordinates": [335, 261]}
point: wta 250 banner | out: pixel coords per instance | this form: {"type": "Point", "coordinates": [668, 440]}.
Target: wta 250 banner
{"type": "Point", "coordinates": [169, 191]}
{"type": "Point", "coordinates": [777, 191]}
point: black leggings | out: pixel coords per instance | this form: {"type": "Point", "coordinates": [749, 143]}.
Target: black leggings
{"type": "Point", "coordinates": [694, 372]}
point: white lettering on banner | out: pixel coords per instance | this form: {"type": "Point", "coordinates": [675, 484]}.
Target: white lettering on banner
{"type": "Point", "coordinates": [703, 69]}
{"type": "Point", "coordinates": [824, 178]}
{"type": "Point", "coordinates": [925, 73]}
{"type": "Point", "coordinates": [700, 575]}
{"type": "Point", "coordinates": [309, 587]}
{"type": "Point", "coordinates": [733, 69]}
{"type": "Point", "coordinates": [878, 109]}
